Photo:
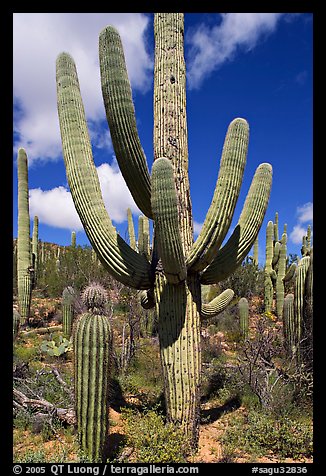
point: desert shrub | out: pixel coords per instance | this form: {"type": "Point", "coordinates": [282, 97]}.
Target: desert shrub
{"type": "Point", "coordinates": [152, 440]}
{"type": "Point", "coordinates": [257, 434]}
{"type": "Point", "coordinates": [246, 281]}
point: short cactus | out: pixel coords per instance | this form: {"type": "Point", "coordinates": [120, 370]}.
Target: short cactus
{"type": "Point", "coordinates": [95, 298]}
{"type": "Point", "coordinates": [92, 367]}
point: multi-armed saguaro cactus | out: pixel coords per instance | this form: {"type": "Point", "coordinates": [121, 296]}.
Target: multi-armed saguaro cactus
{"type": "Point", "coordinates": [243, 308]}
{"type": "Point", "coordinates": [24, 255]}
{"type": "Point", "coordinates": [172, 277]}
{"type": "Point", "coordinates": [92, 358]}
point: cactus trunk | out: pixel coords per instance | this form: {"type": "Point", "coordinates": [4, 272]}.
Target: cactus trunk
{"type": "Point", "coordinates": [92, 347]}
{"type": "Point", "coordinates": [24, 274]}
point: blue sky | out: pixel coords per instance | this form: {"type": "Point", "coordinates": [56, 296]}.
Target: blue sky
{"type": "Point", "coordinates": [256, 66]}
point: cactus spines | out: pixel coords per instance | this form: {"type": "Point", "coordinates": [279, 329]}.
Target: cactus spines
{"type": "Point", "coordinates": [243, 308]}
{"type": "Point", "coordinates": [95, 298]}
{"type": "Point", "coordinates": [178, 265]}
{"type": "Point", "coordinates": [92, 355]}
{"type": "Point", "coordinates": [24, 262]}
{"type": "Point", "coordinates": [217, 305]}
{"type": "Point", "coordinates": [68, 299]}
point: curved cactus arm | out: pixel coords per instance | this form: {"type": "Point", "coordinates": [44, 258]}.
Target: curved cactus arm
{"type": "Point", "coordinates": [217, 305]}
{"type": "Point", "coordinates": [166, 221]}
{"type": "Point", "coordinates": [220, 213]}
{"type": "Point", "coordinates": [231, 255]}
{"type": "Point", "coordinates": [147, 299]}
{"type": "Point", "coordinates": [121, 118]}
{"type": "Point", "coordinates": [122, 262]}
{"type": "Point", "coordinates": [131, 230]}
{"type": "Point", "coordinates": [255, 253]}
{"type": "Point", "coordinates": [290, 273]}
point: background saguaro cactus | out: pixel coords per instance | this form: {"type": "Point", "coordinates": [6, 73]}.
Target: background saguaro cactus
{"type": "Point", "coordinates": [243, 308]}
{"type": "Point", "coordinates": [24, 261]}
{"type": "Point", "coordinates": [68, 299]}
{"type": "Point", "coordinates": [177, 265]}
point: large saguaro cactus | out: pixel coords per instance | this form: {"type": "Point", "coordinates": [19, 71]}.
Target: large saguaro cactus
{"type": "Point", "coordinates": [177, 267]}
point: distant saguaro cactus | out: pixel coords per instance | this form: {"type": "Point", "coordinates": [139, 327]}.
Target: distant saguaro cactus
{"type": "Point", "coordinates": [68, 299]}
{"type": "Point", "coordinates": [178, 265]}
{"type": "Point", "coordinates": [243, 308]}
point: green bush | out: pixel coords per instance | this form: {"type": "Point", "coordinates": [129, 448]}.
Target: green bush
{"type": "Point", "coordinates": [258, 434]}
{"type": "Point", "coordinates": [153, 441]}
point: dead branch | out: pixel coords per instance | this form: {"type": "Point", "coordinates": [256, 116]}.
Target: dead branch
{"type": "Point", "coordinates": [66, 415]}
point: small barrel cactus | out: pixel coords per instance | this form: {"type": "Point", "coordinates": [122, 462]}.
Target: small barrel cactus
{"type": "Point", "coordinates": [92, 364]}
{"type": "Point", "coordinates": [95, 298]}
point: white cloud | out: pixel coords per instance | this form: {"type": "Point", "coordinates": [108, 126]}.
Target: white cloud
{"type": "Point", "coordinates": [304, 218]}
{"type": "Point", "coordinates": [38, 38]}
{"type": "Point", "coordinates": [212, 46]}
{"type": "Point", "coordinates": [197, 227]}
{"type": "Point", "coordinates": [305, 212]}
{"type": "Point", "coordinates": [297, 233]}
{"type": "Point", "coordinates": [55, 207]}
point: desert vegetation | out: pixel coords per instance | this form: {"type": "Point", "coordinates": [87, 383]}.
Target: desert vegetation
{"type": "Point", "coordinates": [159, 348]}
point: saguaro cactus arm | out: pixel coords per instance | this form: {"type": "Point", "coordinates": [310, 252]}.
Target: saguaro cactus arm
{"type": "Point", "coordinates": [121, 118]}
{"type": "Point", "coordinates": [166, 222]}
{"type": "Point", "coordinates": [217, 305]}
{"type": "Point", "coordinates": [220, 213]}
{"type": "Point", "coordinates": [231, 255]}
{"type": "Point", "coordinates": [117, 256]}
